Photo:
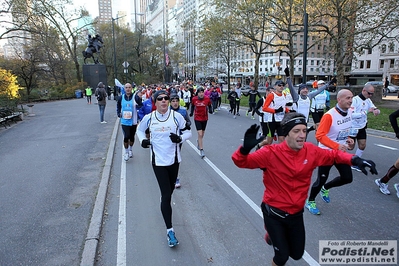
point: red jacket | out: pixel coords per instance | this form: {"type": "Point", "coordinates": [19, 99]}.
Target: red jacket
{"type": "Point", "coordinates": [288, 173]}
{"type": "Point", "coordinates": [200, 108]}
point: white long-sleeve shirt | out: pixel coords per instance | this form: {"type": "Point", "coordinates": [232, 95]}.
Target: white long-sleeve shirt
{"type": "Point", "coordinates": [161, 125]}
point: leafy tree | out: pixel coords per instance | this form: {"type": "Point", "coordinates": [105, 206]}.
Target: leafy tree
{"type": "Point", "coordinates": [8, 85]}
{"type": "Point", "coordinates": [352, 25]}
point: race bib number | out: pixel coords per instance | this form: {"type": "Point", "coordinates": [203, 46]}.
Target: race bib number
{"type": "Point", "coordinates": [127, 114]}
{"type": "Point", "coordinates": [320, 106]}
{"type": "Point", "coordinates": [353, 132]}
{"type": "Point", "coordinates": [343, 135]}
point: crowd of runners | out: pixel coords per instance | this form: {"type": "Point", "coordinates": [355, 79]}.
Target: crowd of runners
{"type": "Point", "coordinates": [160, 117]}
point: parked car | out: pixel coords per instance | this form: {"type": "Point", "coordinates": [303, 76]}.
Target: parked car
{"type": "Point", "coordinates": [375, 83]}
{"type": "Point", "coordinates": [393, 88]}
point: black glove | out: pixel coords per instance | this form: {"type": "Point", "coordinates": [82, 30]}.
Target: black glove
{"type": "Point", "coordinates": [191, 115]}
{"type": "Point", "coordinates": [287, 71]}
{"type": "Point", "coordinates": [363, 163]}
{"type": "Point", "coordinates": [145, 143]}
{"type": "Point", "coordinates": [289, 104]}
{"type": "Point", "coordinates": [186, 128]}
{"type": "Point", "coordinates": [175, 138]}
{"type": "Point", "coordinates": [250, 139]}
{"type": "Point", "coordinates": [119, 115]}
{"type": "Point", "coordinates": [147, 131]}
{"type": "Point", "coordinates": [279, 110]}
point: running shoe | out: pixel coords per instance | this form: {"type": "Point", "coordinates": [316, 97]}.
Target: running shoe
{"type": "Point", "coordinates": [238, 114]}
{"type": "Point", "coordinates": [356, 168]}
{"type": "Point", "coordinates": [172, 240]}
{"type": "Point", "coordinates": [130, 154]}
{"type": "Point", "coordinates": [267, 239]}
{"type": "Point", "coordinates": [234, 117]}
{"type": "Point", "coordinates": [324, 194]}
{"type": "Point", "coordinates": [311, 206]}
{"type": "Point", "coordinates": [177, 184]}
{"type": "Point", "coordinates": [202, 153]}
{"type": "Point", "coordinates": [396, 186]}
{"type": "Point", "coordinates": [252, 117]}
{"type": "Point", "coordinates": [126, 156]}
{"type": "Point", "coordinates": [103, 122]}
{"type": "Point", "coordinates": [383, 187]}
{"type": "Point", "coordinates": [246, 114]}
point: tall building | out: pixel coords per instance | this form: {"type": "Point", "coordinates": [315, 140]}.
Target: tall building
{"type": "Point", "coordinates": [104, 11]}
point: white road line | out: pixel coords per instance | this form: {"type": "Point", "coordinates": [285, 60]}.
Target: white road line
{"type": "Point", "coordinates": [386, 147]}
{"type": "Point", "coordinates": [311, 261]}
{"type": "Point", "coordinates": [121, 248]}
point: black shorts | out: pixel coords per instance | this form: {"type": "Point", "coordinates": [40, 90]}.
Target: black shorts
{"type": "Point", "coordinates": [361, 134]}
{"type": "Point", "coordinates": [275, 126]}
{"type": "Point", "coordinates": [317, 116]}
{"type": "Point", "coordinates": [200, 125]}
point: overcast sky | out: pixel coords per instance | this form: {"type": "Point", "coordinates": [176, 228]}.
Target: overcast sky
{"type": "Point", "coordinates": [90, 5]}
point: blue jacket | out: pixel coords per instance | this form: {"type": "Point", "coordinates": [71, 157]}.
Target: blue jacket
{"type": "Point", "coordinates": [146, 108]}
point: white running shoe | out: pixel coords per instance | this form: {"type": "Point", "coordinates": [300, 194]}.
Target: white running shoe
{"type": "Point", "coordinates": [396, 186]}
{"type": "Point", "coordinates": [177, 184]}
{"type": "Point", "coordinates": [126, 157]}
{"type": "Point", "coordinates": [130, 154]}
{"type": "Point", "coordinates": [103, 122]}
{"type": "Point", "coordinates": [383, 187]}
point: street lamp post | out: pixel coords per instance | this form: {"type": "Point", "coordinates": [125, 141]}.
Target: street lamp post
{"type": "Point", "coordinates": [305, 43]}
{"type": "Point", "coordinates": [125, 62]}
{"type": "Point", "coordinates": [113, 43]}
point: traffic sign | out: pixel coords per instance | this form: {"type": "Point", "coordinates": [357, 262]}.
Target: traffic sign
{"type": "Point", "coordinates": [125, 64]}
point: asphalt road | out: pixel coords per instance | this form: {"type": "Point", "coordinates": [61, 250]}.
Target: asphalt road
{"type": "Point", "coordinates": [50, 170]}
{"type": "Point", "coordinates": [216, 212]}
{"type": "Point", "coordinates": [52, 166]}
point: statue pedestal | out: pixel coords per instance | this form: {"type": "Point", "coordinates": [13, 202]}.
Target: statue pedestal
{"type": "Point", "coordinates": [93, 74]}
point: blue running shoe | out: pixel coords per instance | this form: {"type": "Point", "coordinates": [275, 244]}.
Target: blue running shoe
{"type": "Point", "coordinates": [311, 206]}
{"type": "Point", "coordinates": [324, 194]}
{"type": "Point", "coordinates": [172, 241]}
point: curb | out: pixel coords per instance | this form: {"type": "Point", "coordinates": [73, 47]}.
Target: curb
{"type": "Point", "coordinates": [93, 233]}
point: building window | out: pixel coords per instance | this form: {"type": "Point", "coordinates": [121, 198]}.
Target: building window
{"type": "Point", "coordinates": [381, 63]}
{"type": "Point", "coordinates": [261, 69]}
{"type": "Point", "coordinates": [261, 62]}
{"type": "Point", "coordinates": [361, 64]}
{"type": "Point", "coordinates": [391, 47]}
{"type": "Point", "coordinates": [311, 69]}
{"type": "Point", "coordinates": [391, 63]}
{"type": "Point", "coordinates": [383, 48]}
{"type": "Point", "coordinates": [368, 64]}
{"type": "Point", "coordinates": [311, 62]}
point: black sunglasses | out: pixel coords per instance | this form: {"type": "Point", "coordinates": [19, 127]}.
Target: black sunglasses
{"type": "Point", "coordinates": [160, 98]}
{"type": "Point", "coordinates": [370, 93]}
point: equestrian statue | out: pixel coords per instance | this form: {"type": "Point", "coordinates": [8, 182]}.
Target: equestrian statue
{"type": "Point", "coordinates": [94, 45]}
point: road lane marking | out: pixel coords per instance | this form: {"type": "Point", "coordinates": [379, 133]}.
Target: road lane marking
{"type": "Point", "coordinates": [121, 248]}
{"type": "Point", "coordinates": [306, 257]}
{"type": "Point", "coordinates": [386, 147]}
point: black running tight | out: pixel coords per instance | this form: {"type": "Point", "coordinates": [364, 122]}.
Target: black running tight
{"type": "Point", "coordinates": [166, 177]}
{"type": "Point", "coordinates": [287, 235]}
{"type": "Point", "coordinates": [345, 177]}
